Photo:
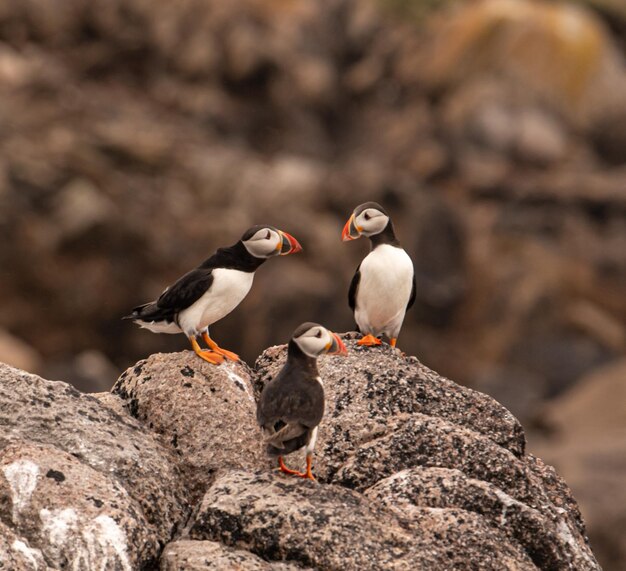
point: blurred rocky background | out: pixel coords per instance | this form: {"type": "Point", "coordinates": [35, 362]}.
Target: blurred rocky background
{"type": "Point", "coordinates": [136, 136]}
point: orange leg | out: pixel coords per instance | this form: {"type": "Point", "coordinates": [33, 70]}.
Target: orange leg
{"type": "Point", "coordinates": [286, 470]}
{"type": "Point", "coordinates": [369, 341]}
{"type": "Point", "coordinates": [214, 347]}
{"type": "Point", "coordinates": [393, 341]}
{"type": "Point", "coordinates": [208, 356]}
{"type": "Point", "coordinates": [308, 474]}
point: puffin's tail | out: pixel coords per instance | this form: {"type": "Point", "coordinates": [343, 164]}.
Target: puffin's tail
{"type": "Point", "coordinates": [147, 312]}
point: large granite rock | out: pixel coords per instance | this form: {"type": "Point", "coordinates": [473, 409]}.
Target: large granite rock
{"type": "Point", "coordinates": [205, 414]}
{"type": "Point", "coordinates": [79, 483]}
{"type": "Point", "coordinates": [333, 528]}
{"type": "Point", "coordinates": [368, 388]}
{"type": "Point", "coordinates": [190, 555]}
{"type": "Point", "coordinates": [415, 472]}
{"type": "Point", "coordinates": [73, 514]}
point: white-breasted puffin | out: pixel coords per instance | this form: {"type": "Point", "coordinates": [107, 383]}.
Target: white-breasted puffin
{"type": "Point", "coordinates": [212, 290]}
{"type": "Point", "coordinates": [292, 404]}
{"type": "Point", "coordinates": [383, 287]}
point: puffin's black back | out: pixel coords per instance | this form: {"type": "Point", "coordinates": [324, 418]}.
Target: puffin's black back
{"type": "Point", "coordinates": [189, 288]}
{"type": "Point", "coordinates": [294, 396]}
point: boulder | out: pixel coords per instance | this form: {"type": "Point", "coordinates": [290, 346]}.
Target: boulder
{"type": "Point", "coordinates": [80, 481]}
{"type": "Point", "coordinates": [189, 555]}
{"type": "Point", "coordinates": [404, 436]}
{"type": "Point", "coordinates": [71, 513]}
{"type": "Point", "coordinates": [370, 387]}
{"type": "Point", "coordinates": [16, 554]}
{"type": "Point", "coordinates": [205, 414]}
{"type": "Point", "coordinates": [329, 527]}
{"type": "Point", "coordinates": [414, 472]}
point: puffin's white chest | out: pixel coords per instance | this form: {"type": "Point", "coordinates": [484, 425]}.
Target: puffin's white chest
{"type": "Point", "coordinates": [384, 288]}
{"type": "Point", "coordinates": [228, 289]}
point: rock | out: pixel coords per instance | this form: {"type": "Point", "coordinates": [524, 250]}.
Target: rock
{"type": "Point", "coordinates": [331, 528]}
{"type": "Point", "coordinates": [71, 513]}
{"type": "Point", "coordinates": [368, 388]}
{"type": "Point", "coordinates": [205, 414]}
{"type": "Point", "coordinates": [399, 433]}
{"type": "Point", "coordinates": [99, 449]}
{"type": "Point", "coordinates": [546, 540]}
{"type": "Point", "coordinates": [415, 472]}
{"type": "Point", "coordinates": [16, 554]}
{"type": "Point", "coordinates": [186, 555]}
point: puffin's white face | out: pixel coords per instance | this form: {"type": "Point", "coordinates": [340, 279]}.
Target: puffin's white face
{"type": "Point", "coordinates": [266, 241]}
{"type": "Point", "coordinates": [315, 340]}
{"type": "Point", "coordinates": [371, 221]}
{"type": "Point", "coordinates": [366, 220]}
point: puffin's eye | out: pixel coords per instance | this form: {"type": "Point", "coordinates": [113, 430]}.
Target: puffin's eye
{"type": "Point", "coordinates": [318, 334]}
{"type": "Point", "coordinates": [268, 235]}
{"type": "Point", "coordinates": [366, 216]}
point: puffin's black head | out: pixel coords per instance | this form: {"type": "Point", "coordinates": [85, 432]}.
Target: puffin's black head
{"type": "Point", "coordinates": [368, 219]}
{"type": "Point", "coordinates": [263, 241]}
{"type": "Point", "coordinates": [314, 340]}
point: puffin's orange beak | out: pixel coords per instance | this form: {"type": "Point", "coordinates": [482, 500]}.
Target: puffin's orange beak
{"type": "Point", "coordinates": [289, 244]}
{"type": "Point", "coordinates": [350, 231]}
{"type": "Point", "coordinates": [336, 346]}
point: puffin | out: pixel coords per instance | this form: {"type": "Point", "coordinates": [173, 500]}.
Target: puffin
{"type": "Point", "coordinates": [383, 287]}
{"type": "Point", "coordinates": [211, 291]}
{"type": "Point", "coordinates": [292, 404]}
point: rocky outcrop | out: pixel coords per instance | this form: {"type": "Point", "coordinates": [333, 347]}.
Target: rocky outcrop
{"type": "Point", "coordinates": [189, 555]}
{"type": "Point", "coordinates": [80, 485]}
{"type": "Point", "coordinates": [205, 414]}
{"type": "Point", "coordinates": [414, 472]}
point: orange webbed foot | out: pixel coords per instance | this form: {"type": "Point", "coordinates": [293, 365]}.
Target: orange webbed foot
{"type": "Point", "coordinates": [211, 357]}
{"type": "Point", "coordinates": [285, 470]}
{"type": "Point", "coordinates": [208, 356]}
{"type": "Point", "coordinates": [217, 349]}
{"type": "Point", "coordinates": [369, 341]}
{"type": "Point", "coordinates": [308, 474]}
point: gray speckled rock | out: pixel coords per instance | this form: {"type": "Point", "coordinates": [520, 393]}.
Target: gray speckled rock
{"type": "Point", "coordinates": [74, 515]}
{"type": "Point", "coordinates": [205, 413]}
{"type": "Point", "coordinates": [387, 414]}
{"type": "Point", "coordinates": [99, 449]}
{"type": "Point", "coordinates": [332, 528]}
{"type": "Point", "coordinates": [190, 555]}
{"type": "Point", "coordinates": [545, 537]}
{"type": "Point", "coordinates": [16, 554]}
{"type": "Point", "coordinates": [371, 385]}
{"type": "Point", "coordinates": [416, 473]}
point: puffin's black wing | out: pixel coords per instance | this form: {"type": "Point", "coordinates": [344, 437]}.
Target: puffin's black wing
{"type": "Point", "coordinates": [413, 293]}
{"type": "Point", "coordinates": [354, 286]}
{"type": "Point", "coordinates": [187, 290]}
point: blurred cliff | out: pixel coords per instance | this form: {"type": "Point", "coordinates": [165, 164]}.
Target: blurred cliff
{"type": "Point", "coordinates": [136, 136]}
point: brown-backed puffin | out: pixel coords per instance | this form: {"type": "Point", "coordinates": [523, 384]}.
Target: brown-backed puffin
{"type": "Point", "coordinates": [212, 290]}
{"type": "Point", "coordinates": [292, 404]}
{"type": "Point", "coordinates": [383, 287]}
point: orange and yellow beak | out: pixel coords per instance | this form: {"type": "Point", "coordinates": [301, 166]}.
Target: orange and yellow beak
{"type": "Point", "coordinates": [289, 244]}
{"type": "Point", "coordinates": [336, 346]}
{"type": "Point", "coordinates": [350, 231]}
